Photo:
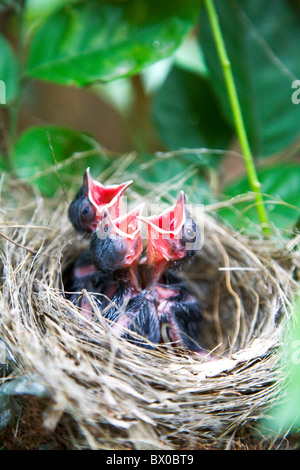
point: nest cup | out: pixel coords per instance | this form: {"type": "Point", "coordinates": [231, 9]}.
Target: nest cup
{"type": "Point", "coordinates": [77, 386]}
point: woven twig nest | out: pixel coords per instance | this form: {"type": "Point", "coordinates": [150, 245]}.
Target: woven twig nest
{"type": "Point", "coordinates": [73, 385]}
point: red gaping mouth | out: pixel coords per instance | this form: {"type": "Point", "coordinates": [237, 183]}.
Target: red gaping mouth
{"type": "Point", "coordinates": [108, 197]}
{"type": "Point", "coordinates": [165, 233]}
{"type": "Point", "coordinates": [127, 226]}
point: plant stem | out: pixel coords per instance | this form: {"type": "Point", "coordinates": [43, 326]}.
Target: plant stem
{"type": "Point", "coordinates": [237, 113]}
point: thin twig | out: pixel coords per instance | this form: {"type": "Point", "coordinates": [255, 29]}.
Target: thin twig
{"type": "Point", "coordinates": [33, 252]}
{"type": "Point", "coordinates": [230, 290]}
{"type": "Point", "coordinates": [216, 317]}
{"type": "Point", "coordinates": [56, 165]}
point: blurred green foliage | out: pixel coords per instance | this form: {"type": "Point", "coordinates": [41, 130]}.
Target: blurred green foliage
{"type": "Point", "coordinates": [38, 147]}
{"type": "Point", "coordinates": [104, 41]}
{"type": "Point", "coordinates": [8, 69]}
{"type": "Point", "coordinates": [281, 181]}
{"type": "Point", "coordinates": [181, 122]}
{"type": "Point", "coordinates": [261, 45]}
{"type": "Point", "coordinates": [86, 43]}
{"type": "Point", "coordinates": [170, 46]}
{"type": "Point", "coordinates": [285, 416]}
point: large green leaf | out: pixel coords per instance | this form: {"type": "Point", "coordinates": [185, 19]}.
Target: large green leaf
{"type": "Point", "coordinates": [280, 186]}
{"type": "Point", "coordinates": [95, 40]}
{"type": "Point", "coordinates": [8, 72]}
{"type": "Point", "coordinates": [50, 156]}
{"type": "Point", "coordinates": [186, 113]}
{"type": "Point", "coordinates": [261, 40]}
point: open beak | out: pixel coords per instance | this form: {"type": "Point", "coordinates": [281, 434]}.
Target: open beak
{"type": "Point", "coordinates": [165, 233]}
{"type": "Point", "coordinates": [128, 227]}
{"type": "Point", "coordinates": [108, 197]}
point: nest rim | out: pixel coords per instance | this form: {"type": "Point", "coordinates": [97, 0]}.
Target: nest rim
{"type": "Point", "coordinates": [152, 385]}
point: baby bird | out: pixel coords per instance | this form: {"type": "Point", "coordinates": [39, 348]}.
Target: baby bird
{"type": "Point", "coordinates": [84, 276]}
{"type": "Point", "coordinates": [136, 295]}
{"type": "Point", "coordinates": [179, 313]}
{"type": "Point", "coordinates": [85, 211]}
{"type": "Point", "coordinates": [173, 237]}
{"type": "Point", "coordinates": [116, 247]}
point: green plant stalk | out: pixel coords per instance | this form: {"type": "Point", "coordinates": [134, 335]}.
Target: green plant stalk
{"type": "Point", "coordinates": [237, 114]}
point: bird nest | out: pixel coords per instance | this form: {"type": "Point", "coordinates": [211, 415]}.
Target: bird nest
{"type": "Point", "coordinates": [69, 383]}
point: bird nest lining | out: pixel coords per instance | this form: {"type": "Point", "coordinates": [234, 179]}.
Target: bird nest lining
{"type": "Point", "coordinates": [94, 390]}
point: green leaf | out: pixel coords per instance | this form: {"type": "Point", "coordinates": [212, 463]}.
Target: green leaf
{"type": "Point", "coordinates": [285, 415]}
{"type": "Point", "coordinates": [8, 73]}
{"type": "Point", "coordinates": [186, 113]}
{"type": "Point", "coordinates": [280, 186]}
{"type": "Point", "coordinates": [261, 44]}
{"type": "Point", "coordinates": [36, 11]}
{"type": "Point", "coordinates": [93, 41]}
{"type": "Point", "coordinates": [50, 156]}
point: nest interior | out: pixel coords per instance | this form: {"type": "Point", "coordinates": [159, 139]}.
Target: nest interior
{"type": "Point", "coordinates": [85, 388]}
